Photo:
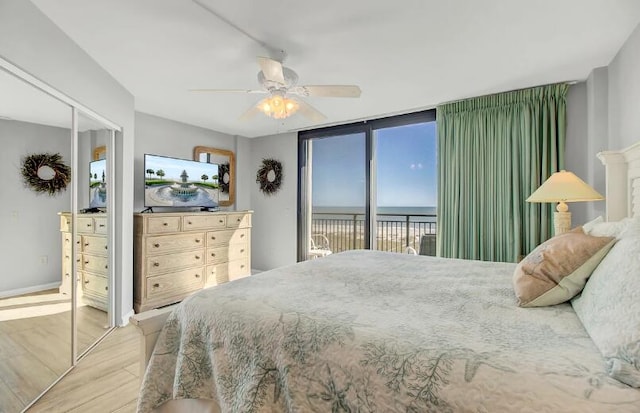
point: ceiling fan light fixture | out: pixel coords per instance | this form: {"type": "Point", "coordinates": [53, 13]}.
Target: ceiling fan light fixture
{"type": "Point", "coordinates": [278, 107]}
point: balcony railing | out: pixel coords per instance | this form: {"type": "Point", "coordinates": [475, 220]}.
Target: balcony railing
{"type": "Point", "coordinates": [394, 232]}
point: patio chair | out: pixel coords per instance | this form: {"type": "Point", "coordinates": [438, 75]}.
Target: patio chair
{"type": "Point", "coordinates": [410, 251]}
{"type": "Point", "coordinates": [319, 246]}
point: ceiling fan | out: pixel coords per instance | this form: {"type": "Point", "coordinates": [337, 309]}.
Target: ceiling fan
{"type": "Point", "coordinates": [280, 83]}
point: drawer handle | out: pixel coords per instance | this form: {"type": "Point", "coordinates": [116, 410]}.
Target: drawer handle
{"type": "Point", "coordinates": [165, 224]}
{"type": "Point", "coordinates": [241, 251]}
{"type": "Point", "coordinates": [86, 244]}
{"type": "Point", "coordinates": [156, 285]}
{"type": "Point", "coordinates": [239, 219]}
{"type": "Point", "coordinates": [66, 274]}
{"type": "Point", "coordinates": [101, 225]}
{"type": "Point", "coordinates": [106, 266]}
{"type": "Point", "coordinates": [221, 221]}
{"type": "Point", "coordinates": [66, 257]}
{"type": "Point", "coordinates": [241, 235]}
{"type": "Point", "coordinates": [86, 281]}
{"type": "Point", "coordinates": [86, 262]}
{"type": "Point", "coordinates": [197, 257]}
{"type": "Point", "coordinates": [213, 254]}
{"type": "Point", "coordinates": [88, 225]}
{"type": "Point", "coordinates": [188, 222]}
{"type": "Point", "coordinates": [78, 260]}
{"type": "Point", "coordinates": [213, 238]}
{"type": "Point", "coordinates": [106, 288]}
{"type": "Point", "coordinates": [105, 247]}
{"type": "Point", "coordinates": [197, 240]}
{"type": "Point", "coordinates": [197, 275]}
{"type": "Point", "coordinates": [156, 245]}
{"type": "Point", "coordinates": [156, 264]}
{"type": "Point", "coordinates": [67, 240]}
{"type": "Point", "coordinates": [242, 266]}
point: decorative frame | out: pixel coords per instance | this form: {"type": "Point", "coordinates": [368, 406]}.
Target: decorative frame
{"type": "Point", "coordinates": [227, 163]}
{"type": "Point", "coordinates": [269, 176]}
{"type": "Point", "coordinates": [99, 152]}
{"type": "Point", "coordinates": [31, 165]}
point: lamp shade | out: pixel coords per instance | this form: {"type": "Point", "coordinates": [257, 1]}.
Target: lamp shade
{"type": "Point", "coordinates": [564, 186]}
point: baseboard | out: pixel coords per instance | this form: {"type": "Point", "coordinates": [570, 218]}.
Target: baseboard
{"type": "Point", "coordinates": [29, 290]}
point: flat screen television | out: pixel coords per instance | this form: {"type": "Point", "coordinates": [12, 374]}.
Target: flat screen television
{"type": "Point", "coordinates": [98, 184]}
{"type": "Point", "coordinates": [173, 182]}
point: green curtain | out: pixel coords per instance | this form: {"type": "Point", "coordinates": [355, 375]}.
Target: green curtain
{"type": "Point", "coordinates": [493, 152]}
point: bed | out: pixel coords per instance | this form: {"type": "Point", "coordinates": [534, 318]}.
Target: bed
{"type": "Point", "coordinates": [369, 331]}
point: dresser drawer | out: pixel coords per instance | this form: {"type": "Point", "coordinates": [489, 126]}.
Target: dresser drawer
{"type": "Point", "coordinates": [195, 222]}
{"type": "Point", "coordinates": [175, 283]}
{"type": "Point", "coordinates": [94, 244]}
{"type": "Point", "coordinates": [95, 263]}
{"type": "Point", "coordinates": [100, 225]}
{"type": "Point", "coordinates": [218, 238]}
{"type": "Point", "coordinates": [85, 225]}
{"type": "Point", "coordinates": [159, 225]}
{"type": "Point", "coordinates": [161, 244]}
{"type": "Point", "coordinates": [217, 255]}
{"type": "Point", "coordinates": [239, 269]}
{"type": "Point", "coordinates": [95, 284]}
{"type": "Point", "coordinates": [238, 251]}
{"type": "Point", "coordinates": [217, 274]}
{"type": "Point", "coordinates": [239, 220]}
{"type": "Point", "coordinates": [163, 263]}
{"type": "Point", "coordinates": [65, 223]}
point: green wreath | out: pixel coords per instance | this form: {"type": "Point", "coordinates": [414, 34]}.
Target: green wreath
{"type": "Point", "coordinates": [269, 176]}
{"type": "Point", "coordinates": [45, 173]}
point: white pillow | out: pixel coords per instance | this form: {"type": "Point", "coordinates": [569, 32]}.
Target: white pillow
{"type": "Point", "coordinates": [599, 228]}
{"type": "Point", "coordinates": [609, 308]}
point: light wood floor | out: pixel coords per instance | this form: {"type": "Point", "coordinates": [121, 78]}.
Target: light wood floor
{"type": "Point", "coordinates": [105, 381]}
{"type": "Point", "coordinates": [35, 343]}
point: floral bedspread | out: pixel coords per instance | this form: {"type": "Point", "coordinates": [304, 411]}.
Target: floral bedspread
{"type": "Point", "coordinates": [367, 331]}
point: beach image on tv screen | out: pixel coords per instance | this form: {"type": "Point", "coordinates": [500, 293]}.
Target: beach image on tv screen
{"type": "Point", "coordinates": [98, 184]}
{"type": "Point", "coordinates": [171, 182]}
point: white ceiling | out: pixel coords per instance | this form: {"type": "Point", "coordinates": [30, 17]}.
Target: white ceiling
{"type": "Point", "coordinates": [404, 54]}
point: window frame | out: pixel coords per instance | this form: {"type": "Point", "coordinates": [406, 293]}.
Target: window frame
{"type": "Point", "coordinates": [367, 127]}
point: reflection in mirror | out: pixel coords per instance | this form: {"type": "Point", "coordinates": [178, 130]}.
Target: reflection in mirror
{"type": "Point", "coordinates": [35, 288]}
{"type": "Point", "coordinates": [226, 171]}
{"type": "Point", "coordinates": [92, 297]}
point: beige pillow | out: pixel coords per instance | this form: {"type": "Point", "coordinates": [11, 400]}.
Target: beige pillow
{"type": "Point", "coordinates": [558, 269]}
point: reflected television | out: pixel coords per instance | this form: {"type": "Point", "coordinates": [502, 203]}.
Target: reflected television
{"type": "Point", "coordinates": [174, 182]}
{"type": "Point", "coordinates": [98, 184]}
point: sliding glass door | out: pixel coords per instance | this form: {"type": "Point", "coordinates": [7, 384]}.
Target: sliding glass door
{"type": "Point", "coordinates": [368, 185]}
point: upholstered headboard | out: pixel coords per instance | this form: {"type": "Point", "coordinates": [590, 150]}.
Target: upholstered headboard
{"type": "Point", "coordinates": [623, 182]}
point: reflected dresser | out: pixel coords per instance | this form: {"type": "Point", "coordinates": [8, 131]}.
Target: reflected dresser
{"type": "Point", "coordinates": [176, 254]}
{"type": "Point", "coordinates": [91, 258]}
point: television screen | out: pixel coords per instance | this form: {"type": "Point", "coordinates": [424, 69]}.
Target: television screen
{"type": "Point", "coordinates": [172, 182]}
{"type": "Point", "coordinates": [98, 184]}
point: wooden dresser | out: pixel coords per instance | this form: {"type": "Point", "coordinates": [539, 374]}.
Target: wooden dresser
{"type": "Point", "coordinates": [176, 254]}
{"type": "Point", "coordinates": [91, 261]}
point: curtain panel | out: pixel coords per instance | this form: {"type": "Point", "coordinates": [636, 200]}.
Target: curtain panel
{"type": "Point", "coordinates": [493, 152]}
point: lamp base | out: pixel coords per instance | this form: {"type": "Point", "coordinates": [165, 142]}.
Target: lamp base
{"type": "Point", "coordinates": [561, 222]}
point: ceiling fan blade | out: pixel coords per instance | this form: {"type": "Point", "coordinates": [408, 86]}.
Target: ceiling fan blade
{"type": "Point", "coordinates": [251, 113]}
{"type": "Point", "coordinates": [328, 91]}
{"type": "Point", "coordinates": [271, 69]}
{"type": "Point", "coordinates": [228, 90]}
{"type": "Point", "coordinates": [310, 112]}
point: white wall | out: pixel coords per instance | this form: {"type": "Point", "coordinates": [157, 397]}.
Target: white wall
{"type": "Point", "coordinates": [29, 221]}
{"type": "Point", "coordinates": [30, 40]}
{"type": "Point", "coordinates": [624, 94]}
{"type": "Point", "coordinates": [273, 237]}
{"type": "Point", "coordinates": [576, 148]}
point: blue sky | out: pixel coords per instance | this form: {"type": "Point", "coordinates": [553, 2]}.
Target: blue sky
{"type": "Point", "coordinates": [406, 173]}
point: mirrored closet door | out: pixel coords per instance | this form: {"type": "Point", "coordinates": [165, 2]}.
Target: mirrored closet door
{"type": "Point", "coordinates": [56, 294]}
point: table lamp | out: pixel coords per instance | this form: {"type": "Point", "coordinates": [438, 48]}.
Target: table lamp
{"type": "Point", "coordinates": [563, 187]}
